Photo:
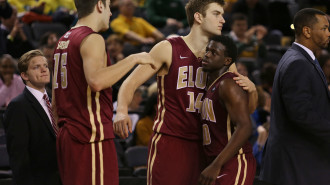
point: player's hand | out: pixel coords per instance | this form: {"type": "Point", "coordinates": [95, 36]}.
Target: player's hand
{"type": "Point", "coordinates": [122, 125]}
{"type": "Point", "coordinates": [209, 175]}
{"type": "Point", "coordinates": [244, 82]}
{"type": "Point", "coordinates": [145, 58]}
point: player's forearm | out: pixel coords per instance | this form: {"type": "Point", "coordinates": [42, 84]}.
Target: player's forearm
{"type": "Point", "coordinates": [107, 76]}
{"type": "Point", "coordinates": [125, 96]}
{"type": "Point", "coordinates": [238, 139]}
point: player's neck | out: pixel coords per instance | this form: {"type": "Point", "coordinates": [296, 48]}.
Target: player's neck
{"type": "Point", "coordinates": [214, 75]}
{"type": "Point", "coordinates": [196, 42]}
{"type": "Point", "coordinates": [88, 21]}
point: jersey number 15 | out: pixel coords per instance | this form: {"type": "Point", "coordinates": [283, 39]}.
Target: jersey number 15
{"type": "Point", "coordinates": [63, 58]}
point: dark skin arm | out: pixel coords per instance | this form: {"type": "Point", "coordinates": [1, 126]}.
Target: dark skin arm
{"type": "Point", "coordinates": [235, 100]}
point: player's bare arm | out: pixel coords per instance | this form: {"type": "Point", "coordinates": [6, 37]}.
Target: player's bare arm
{"type": "Point", "coordinates": [236, 102]}
{"type": "Point", "coordinates": [162, 54]}
{"type": "Point", "coordinates": [250, 87]}
{"type": "Point", "coordinates": [94, 56]}
{"type": "Point", "coordinates": [247, 85]}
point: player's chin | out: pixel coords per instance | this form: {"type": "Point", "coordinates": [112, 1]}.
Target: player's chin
{"type": "Point", "coordinates": [205, 68]}
{"type": "Point", "coordinates": [218, 32]}
{"type": "Point", "coordinates": [105, 28]}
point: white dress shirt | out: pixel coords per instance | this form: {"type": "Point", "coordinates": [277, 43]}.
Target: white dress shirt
{"type": "Point", "coordinates": [39, 96]}
{"type": "Point", "coordinates": [311, 54]}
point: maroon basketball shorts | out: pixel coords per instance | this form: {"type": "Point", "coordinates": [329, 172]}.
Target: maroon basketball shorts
{"type": "Point", "coordinates": [86, 163]}
{"type": "Point", "coordinates": [240, 170]}
{"type": "Point", "coordinates": [174, 161]}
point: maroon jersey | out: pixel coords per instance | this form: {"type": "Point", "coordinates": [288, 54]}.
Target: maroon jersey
{"type": "Point", "coordinates": [180, 94]}
{"type": "Point", "coordinates": [217, 127]}
{"type": "Point", "coordinates": [87, 114]}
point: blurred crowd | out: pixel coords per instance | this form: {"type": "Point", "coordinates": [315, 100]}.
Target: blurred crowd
{"type": "Point", "coordinates": [261, 30]}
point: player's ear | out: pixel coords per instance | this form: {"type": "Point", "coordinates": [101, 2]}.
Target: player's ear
{"type": "Point", "coordinates": [99, 6]}
{"type": "Point", "coordinates": [198, 17]}
{"type": "Point", "coordinates": [228, 61]}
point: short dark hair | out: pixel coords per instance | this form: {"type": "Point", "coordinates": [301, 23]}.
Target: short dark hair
{"type": "Point", "coordinates": [86, 7]}
{"type": "Point", "coordinates": [231, 49]}
{"type": "Point", "coordinates": [200, 6]}
{"type": "Point", "coordinates": [305, 17]}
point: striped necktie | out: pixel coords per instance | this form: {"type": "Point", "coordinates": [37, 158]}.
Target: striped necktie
{"type": "Point", "coordinates": [45, 97]}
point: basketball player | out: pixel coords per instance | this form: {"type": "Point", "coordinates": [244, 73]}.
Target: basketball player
{"type": "Point", "coordinates": [175, 151]}
{"type": "Point", "coordinates": [83, 98]}
{"type": "Point", "coordinates": [226, 120]}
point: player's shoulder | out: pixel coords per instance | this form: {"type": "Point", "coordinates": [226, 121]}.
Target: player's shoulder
{"type": "Point", "coordinates": [230, 75]}
{"type": "Point", "coordinates": [165, 44]}
{"type": "Point", "coordinates": [93, 40]}
{"type": "Point", "coordinates": [226, 81]}
{"type": "Point", "coordinates": [227, 76]}
{"type": "Point", "coordinates": [162, 53]}
{"type": "Point", "coordinates": [163, 47]}
{"type": "Point", "coordinates": [94, 37]}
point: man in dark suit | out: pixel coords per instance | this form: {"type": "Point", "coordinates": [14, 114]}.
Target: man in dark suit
{"type": "Point", "coordinates": [298, 147]}
{"type": "Point", "coordinates": [29, 125]}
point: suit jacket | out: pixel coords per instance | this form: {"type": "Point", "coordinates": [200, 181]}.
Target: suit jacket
{"type": "Point", "coordinates": [297, 149]}
{"type": "Point", "coordinates": [31, 142]}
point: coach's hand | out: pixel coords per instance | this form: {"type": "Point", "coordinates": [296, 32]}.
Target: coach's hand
{"type": "Point", "coordinates": [122, 125]}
